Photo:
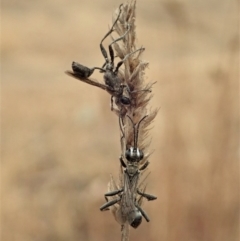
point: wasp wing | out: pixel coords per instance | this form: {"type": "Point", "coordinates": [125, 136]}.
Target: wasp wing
{"type": "Point", "coordinates": [86, 80]}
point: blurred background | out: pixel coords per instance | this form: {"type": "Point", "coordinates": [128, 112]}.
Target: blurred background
{"type": "Point", "coordinates": [60, 141]}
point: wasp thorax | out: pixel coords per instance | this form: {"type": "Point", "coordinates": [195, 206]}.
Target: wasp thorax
{"type": "Point", "coordinates": [132, 168]}
{"type": "Point", "coordinates": [112, 81]}
{"type": "Point", "coordinates": [134, 154]}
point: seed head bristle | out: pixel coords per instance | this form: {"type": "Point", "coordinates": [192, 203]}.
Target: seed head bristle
{"type": "Point", "coordinates": [133, 76]}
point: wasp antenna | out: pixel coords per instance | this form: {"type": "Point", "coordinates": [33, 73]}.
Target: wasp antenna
{"type": "Point", "coordinates": [137, 130]}
{"type": "Point", "coordinates": [134, 132]}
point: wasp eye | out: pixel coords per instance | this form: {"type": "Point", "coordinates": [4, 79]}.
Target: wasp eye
{"type": "Point", "coordinates": [125, 100]}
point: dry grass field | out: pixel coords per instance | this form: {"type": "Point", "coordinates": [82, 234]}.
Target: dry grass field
{"type": "Point", "coordinates": [60, 141]}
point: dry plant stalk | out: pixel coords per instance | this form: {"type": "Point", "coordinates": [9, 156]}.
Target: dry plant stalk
{"type": "Point", "coordinates": [133, 76]}
{"type": "Point", "coordinates": [130, 96]}
{"type": "Point", "coordinates": [139, 94]}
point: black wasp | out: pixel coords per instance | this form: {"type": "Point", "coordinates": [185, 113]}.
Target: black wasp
{"type": "Point", "coordinates": [129, 196]}
{"type": "Point", "coordinates": [113, 83]}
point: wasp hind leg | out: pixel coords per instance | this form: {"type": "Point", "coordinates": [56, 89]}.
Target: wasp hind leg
{"type": "Point", "coordinates": [112, 202]}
